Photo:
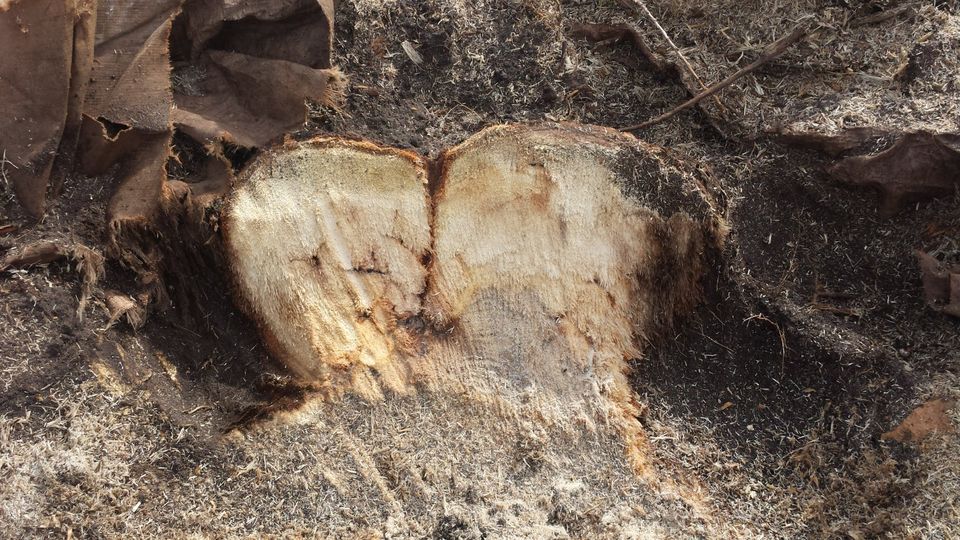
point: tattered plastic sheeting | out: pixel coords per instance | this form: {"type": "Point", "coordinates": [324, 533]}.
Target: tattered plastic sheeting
{"type": "Point", "coordinates": [255, 63]}
{"type": "Point", "coordinates": [247, 101]}
{"type": "Point", "coordinates": [130, 77]}
{"type": "Point", "coordinates": [47, 45]}
{"type": "Point", "coordinates": [244, 69]}
{"type": "Point", "coordinates": [291, 30]}
{"type": "Point", "coordinates": [127, 108]}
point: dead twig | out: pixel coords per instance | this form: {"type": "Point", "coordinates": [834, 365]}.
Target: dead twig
{"type": "Point", "coordinates": [783, 338]}
{"type": "Point", "coordinates": [819, 291]}
{"type": "Point", "coordinates": [5, 186]}
{"type": "Point", "coordinates": [618, 33]}
{"type": "Point", "coordinates": [772, 52]}
{"type": "Point", "coordinates": [683, 58]}
{"type": "Point", "coordinates": [881, 16]}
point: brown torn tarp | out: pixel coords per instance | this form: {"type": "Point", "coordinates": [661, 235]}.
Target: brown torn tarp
{"type": "Point", "coordinates": [67, 59]}
{"type": "Point", "coordinates": [130, 80]}
{"type": "Point", "coordinates": [245, 71]}
{"type": "Point", "coordinates": [45, 46]}
{"type": "Point", "coordinates": [109, 90]}
{"type": "Point", "coordinates": [127, 117]}
{"type": "Point", "coordinates": [249, 101]}
{"type": "Point", "coordinates": [157, 94]}
{"type": "Point", "coordinates": [84, 30]}
{"type": "Point", "coordinates": [919, 167]}
{"type": "Point", "coordinates": [299, 31]}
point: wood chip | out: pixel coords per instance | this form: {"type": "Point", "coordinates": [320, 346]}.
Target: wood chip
{"type": "Point", "coordinates": [412, 53]}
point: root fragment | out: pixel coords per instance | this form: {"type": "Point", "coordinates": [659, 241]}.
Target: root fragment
{"type": "Point", "coordinates": [89, 264]}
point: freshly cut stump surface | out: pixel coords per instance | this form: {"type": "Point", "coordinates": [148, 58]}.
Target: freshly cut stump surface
{"type": "Point", "coordinates": [503, 289]}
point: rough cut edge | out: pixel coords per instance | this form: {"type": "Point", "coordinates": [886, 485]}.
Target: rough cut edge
{"type": "Point", "coordinates": [226, 221]}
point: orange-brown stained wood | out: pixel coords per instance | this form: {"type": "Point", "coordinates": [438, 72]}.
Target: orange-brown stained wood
{"type": "Point", "coordinates": [927, 419]}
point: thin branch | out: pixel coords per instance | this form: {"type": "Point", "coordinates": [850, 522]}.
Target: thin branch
{"type": "Point", "coordinates": [772, 52]}
{"type": "Point", "coordinates": [783, 339]}
{"type": "Point", "coordinates": [881, 16]}
{"type": "Point", "coordinates": [621, 32]}
{"type": "Point", "coordinates": [670, 41]}
{"type": "Point", "coordinates": [676, 49]}
{"type": "Point", "coordinates": [5, 185]}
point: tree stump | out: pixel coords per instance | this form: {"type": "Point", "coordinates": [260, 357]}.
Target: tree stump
{"type": "Point", "coordinates": [518, 275]}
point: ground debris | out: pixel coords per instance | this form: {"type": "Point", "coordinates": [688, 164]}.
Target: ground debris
{"type": "Point", "coordinates": [855, 366]}
{"type": "Point", "coordinates": [941, 284]}
{"type": "Point", "coordinates": [411, 52]}
{"type": "Point", "coordinates": [834, 144]}
{"type": "Point", "coordinates": [919, 167]}
{"type": "Point", "coordinates": [122, 306]}
{"type": "Point", "coordinates": [89, 264]}
{"type": "Point", "coordinates": [770, 53]}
